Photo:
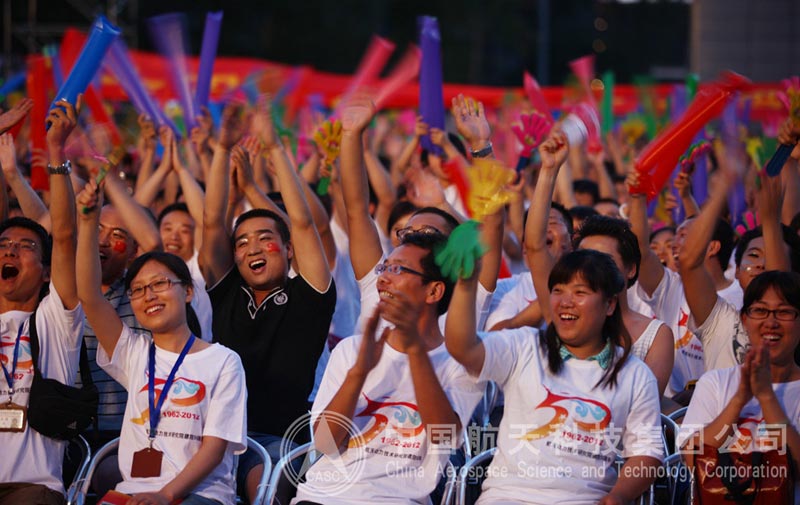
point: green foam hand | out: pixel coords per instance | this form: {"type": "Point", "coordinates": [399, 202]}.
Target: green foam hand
{"type": "Point", "coordinates": [456, 259]}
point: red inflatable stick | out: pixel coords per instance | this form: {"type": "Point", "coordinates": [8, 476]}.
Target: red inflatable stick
{"type": "Point", "coordinates": [583, 68]}
{"type": "Point", "coordinates": [659, 158]}
{"type": "Point", "coordinates": [370, 68]}
{"type": "Point", "coordinates": [535, 95]}
{"type": "Point", "coordinates": [406, 70]}
{"type": "Point", "coordinates": [40, 89]}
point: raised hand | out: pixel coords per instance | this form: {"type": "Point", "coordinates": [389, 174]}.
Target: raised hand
{"type": "Point", "coordinates": [89, 200]}
{"type": "Point", "coordinates": [396, 308]}
{"type": "Point", "coordinates": [420, 127]}
{"type": "Point", "coordinates": [531, 130]}
{"type": "Point", "coordinates": [471, 121]}
{"type": "Point", "coordinates": [682, 183]}
{"type": "Point", "coordinates": [554, 150]}
{"type": "Point", "coordinates": [789, 135]}
{"type": "Point", "coordinates": [147, 132]}
{"type": "Point", "coordinates": [15, 114]}
{"type": "Point", "coordinates": [231, 125]}
{"type": "Point", "coordinates": [8, 154]}
{"type": "Point", "coordinates": [356, 115]}
{"type": "Point", "coordinates": [438, 137]}
{"type": "Point", "coordinates": [240, 162]}
{"type": "Point", "coordinates": [263, 126]}
{"type": "Point", "coordinates": [62, 120]}
{"type": "Point", "coordinates": [423, 188]}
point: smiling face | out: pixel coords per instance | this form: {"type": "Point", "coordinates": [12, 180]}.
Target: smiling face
{"type": "Point", "coordinates": [557, 235]}
{"type": "Point", "coordinates": [177, 234]}
{"type": "Point", "coordinates": [679, 241]}
{"type": "Point", "coordinates": [415, 287]}
{"type": "Point", "coordinates": [161, 312]}
{"type": "Point", "coordinates": [579, 314]}
{"type": "Point", "coordinates": [662, 246]}
{"type": "Point", "coordinates": [780, 337]}
{"type": "Point", "coordinates": [260, 254]}
{"type": "Point", "coordinates": [21, 271]}
{"type": "Point", "coordinates": [117, 246]}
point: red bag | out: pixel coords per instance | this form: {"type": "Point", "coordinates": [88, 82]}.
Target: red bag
{"type": "Point", "coordinates": [733, 478]}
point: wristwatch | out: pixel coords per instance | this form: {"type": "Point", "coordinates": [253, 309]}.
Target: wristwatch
{"type": "Point", "coordinates": [482, 153]}
{"type": "Point", "coordinates": [63, 169]}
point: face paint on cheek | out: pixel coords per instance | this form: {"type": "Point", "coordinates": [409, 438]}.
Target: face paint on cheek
{"type": "Point", "coordinates": [120, 247]}
{"type": "Point", "coordinates": [272, 247]}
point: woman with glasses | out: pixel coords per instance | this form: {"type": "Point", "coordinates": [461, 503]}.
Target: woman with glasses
{"type": "Point", "coordinates": [756, 402]}
{"type": "Point", "coordinates": [185, 417]}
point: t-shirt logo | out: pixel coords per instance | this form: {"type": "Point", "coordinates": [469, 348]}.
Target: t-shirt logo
{"type": "Point", "coordinates": [587, 415]}
{"type": "Point", "coordinates": [281, 298]}
{"type": "Point", "coordinates": [24, 360]}
{"type": "Point", "coordinates": [405, 421]}
{"type": "Point", "coordinates": [183, 393]}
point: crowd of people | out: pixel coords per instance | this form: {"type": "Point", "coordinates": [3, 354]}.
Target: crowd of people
{"type": "Point", "coordinates": [221, 293]}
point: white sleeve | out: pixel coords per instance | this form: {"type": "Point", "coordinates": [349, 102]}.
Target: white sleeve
{"type": "Point", "coordinates": [227, 406]}
{"type": "Point", "coordinates": [368, 289]}
{"type": "Point", "coordinates": [642, 435]}
{"type": "Point", "coordinates": [704, 406]}
{"type": "Point", "coordinates": [463, 391]}
{"type": "Point", "coordinates": [129, 345]}
{"type": "Point", "coordinates": [504, 350]}
{"type": "Point", "coordinates": [342, 358]}
{"type": "Point", "coordinates": [718, 330]}
{"type": "Point", "coordinates": [668, 289]}
{"type": "Point", "coordinates": [60, 332]}
{"type": "Point", "coordinates": [483, 301]}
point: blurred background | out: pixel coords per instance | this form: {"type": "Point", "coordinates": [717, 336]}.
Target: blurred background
{"type": "Point", "coordinates": [483, 42]}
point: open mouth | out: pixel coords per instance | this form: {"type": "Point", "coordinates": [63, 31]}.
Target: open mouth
{"type": "Point", "coordinates": [154, 309]}
{"type": "Point", "coordinates": [385, 294]}
{"type": "Point", "coordinates": [770, 338]}
{"type": "Point", "coordinates": [257, 265]}
{"type": "Point", "coordinates": [9, 272]}
{"type": "Point", "coordinates": [568, 317]}
{"type": "Point", "coordinates": [173, 248]}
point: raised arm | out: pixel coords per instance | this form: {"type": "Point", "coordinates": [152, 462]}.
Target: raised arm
{"type": "Point", "coordinates": [216, 253]}
{"type": "Point", "coordinates": [769, 198]}
{"type": "Point", "coordinates": [651, 271]}
{"type": "Point", "coordinates": [100, 313]}
{"type": "Point", "coordinates": [62, 203]}
{"type": "Point", "coordinates": [365, 243]}
{"type": "Point", "coordinates": [698, 286]}
{"type": "Point", "coordinates": [146, 145]}
{"type": "Point", "coordinates": [789, 174]}
{"type": "Point", "coordinates": [553, 152]}
{"type": "Point", "coordinates": [604, 182]}
{"type": "Point", "coordinates": [30, 203]}
{"type": "Point", "coordinates": [460, 329]}
{"type": "Point", "coordinates": [471, 123]}
{"type": "Point", "coordinates": [683, 184]}
{"type": "Point", "coordinates": [136, 218]}
{"type": "Point", "coordinates": [146, 191]}
{"type": "Point", "coordinates": [309, 253]}
{"type": "Point", "coordinates": [192, 193]}
{"type": "Point", "coordinates": [381, 183]}
{"type": "Point", "coordinates": [403, 160]}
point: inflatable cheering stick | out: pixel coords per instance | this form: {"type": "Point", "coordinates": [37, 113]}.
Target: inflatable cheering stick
{"type": "Point", "coordinates": [778, 159]}
{"type": "Point", "coordinates": [329, 139]}
{"type": "Point", "coordinates": [531, 130]}
{"type": "Point", "coordinates": [488, 179]}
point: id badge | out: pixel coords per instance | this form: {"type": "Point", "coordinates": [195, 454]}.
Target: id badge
{"type": "Point", "coordinates": [13, 417]}
{"type": "Point", "coordinates": [146, 463]}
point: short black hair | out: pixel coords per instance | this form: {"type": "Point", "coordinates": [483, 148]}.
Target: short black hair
{"type": "Point", "coordinates": [283, 228]}
{"type": "Point", "coordinates": [399, 209]}
{"type": "Point", "coordinates": [173, 207]}
{"type": "Point", "coordinates": [45, 241]}
{"type": "Point", "coordinates": [661, 230]}
{"type": "Point", "coordinates": [565, 215]}
{"type": "Point", "coordinates": [618, 229]}
{"type": "Point", "coordinates": [724, 234]}
{"type": "Point", "coordinates": [451, 221]}
{"type": "Point", "coordinates": [582, 212]}
{"type": "Point", "coordinates": [587, 186]}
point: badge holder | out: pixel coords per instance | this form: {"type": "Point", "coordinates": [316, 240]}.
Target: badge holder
{"type": "Point", "coordinates": [147, 462]}
{"type": "Point", "coordinates": [13, 417]}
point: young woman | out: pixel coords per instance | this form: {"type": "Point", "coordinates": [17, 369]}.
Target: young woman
{"type": "Point", "coordinates": [575, 399]}
{"type": "Point", "coordinates": [732, 406]}
{"type": "Point", "coordinates": [185, 417]}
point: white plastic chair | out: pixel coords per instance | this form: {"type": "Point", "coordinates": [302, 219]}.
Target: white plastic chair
{"type": "Point", "coordinates": [79, 489]}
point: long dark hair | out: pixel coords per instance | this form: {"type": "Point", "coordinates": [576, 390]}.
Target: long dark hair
{"type": "Point", "coordinates": [601, 274]}
{"type": "Point", "coordinates": [177, 266]}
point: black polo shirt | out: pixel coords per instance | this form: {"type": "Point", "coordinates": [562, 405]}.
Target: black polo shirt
{"type": "Point", "coordinates": [279, 342]}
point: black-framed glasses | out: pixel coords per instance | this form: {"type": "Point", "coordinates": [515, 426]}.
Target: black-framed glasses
{"type": "Point", "coordinates": [157, 286]}
{"type": "Point", "coordinates": [780, 314]}
{"type": "Point", "coordinates": [25, 244]}
{"type": "Point", "coordinates": [422, 230]}
{"type": "Point", "coordinates": [395, 269]}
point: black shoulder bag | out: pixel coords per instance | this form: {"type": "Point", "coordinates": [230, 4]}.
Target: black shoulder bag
{"type": "Point", "coordinates": [54, 409]}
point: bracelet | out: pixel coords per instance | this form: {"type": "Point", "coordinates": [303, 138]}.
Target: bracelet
{"type": "Point", "coordinates": [62, 169]}
{"type": "Point", "coordinates": [482, 153]}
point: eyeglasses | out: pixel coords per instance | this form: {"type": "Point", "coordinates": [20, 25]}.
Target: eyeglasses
{"type": "Point", "coordinates": [396, 269]}
{"type": "Point", "coordinates": [763, 313]}
{"type": "Point", "coordinates": [157, 286]}
{"type": "Point", "coordinates": [25, 244]}
{"type": "Point", "coordinates": [422, 230]}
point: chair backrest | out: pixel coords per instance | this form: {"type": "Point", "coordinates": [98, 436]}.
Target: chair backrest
{"type": "Point", "coordinates": [484, 408]}
{"type": "Point", "coordinates": [467, 476]}
{"type": "Point", "coordinates": [283, 482]}
{"type": "Point", "coordinates": [678, 414]}
{"type": "Point", "coordinates": [669, 434]}
{"type": "Point", "coordinates": [451, 484]}
{"type": "Point", "coordinates": [78, 454]}
{"type": "Point", "coordinates": [80, 486]}
{"type": "Point", "coordinates": [680, 481]}
{"type": "Point", "coordinates": [263, 484]}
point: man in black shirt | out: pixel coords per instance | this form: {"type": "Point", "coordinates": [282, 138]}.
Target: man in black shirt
{"type": "Point", "coordinates": [277, 325]}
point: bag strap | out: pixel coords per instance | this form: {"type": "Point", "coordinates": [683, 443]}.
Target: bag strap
{"type": "Point", "coordinates": [83, 364]}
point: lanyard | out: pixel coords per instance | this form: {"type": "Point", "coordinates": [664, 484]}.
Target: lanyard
{"type": "Point", "coordinates": [10, 376]}
{"type": "Point", "coordinates": [155, 408]}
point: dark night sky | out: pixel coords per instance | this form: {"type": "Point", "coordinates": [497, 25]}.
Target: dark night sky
{"type": "Point", "coordinates": [483, 42]}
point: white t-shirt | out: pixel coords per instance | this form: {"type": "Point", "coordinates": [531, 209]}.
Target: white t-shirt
{"type": "Point", "coordinates": [733, 294]}
{"type": "Point", "coordinates": [29, 456]}
{"type": "Point", "coordinates": [394, 463]}
{"type": "Point", "coordinates": [723, 335]}
{"type": "Point", "coordinates": [714, 391]}
{"type": "Point", "coordinates": [368, 285]}
{"type": "Point", "coordinates": [635, 302]}
{"type": "Point", "coordinates": [208, 398]}
{"type": "Point", "coordinates": [453, 197]}
{"type": "Point", "coordinates": [560, 435]}
{"type": "Point", "coordinates": [201, 303]}
{"type": "Point", "coordinates": [513, 300]}
{"type": "Point", "coordinates": [668, 304]}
